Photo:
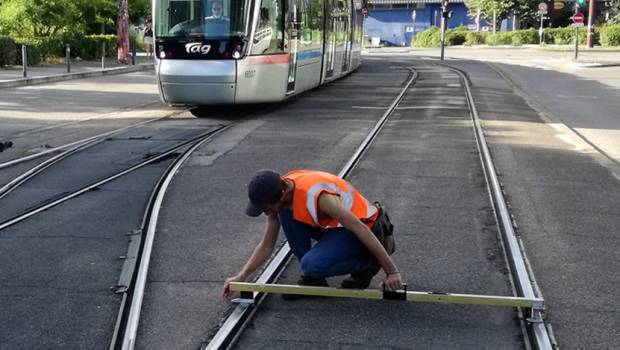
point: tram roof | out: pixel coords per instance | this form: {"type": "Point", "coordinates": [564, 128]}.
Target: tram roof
{"type": "Point", "coordinates": [387, 2]}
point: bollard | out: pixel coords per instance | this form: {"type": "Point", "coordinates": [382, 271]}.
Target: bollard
{"type": "Point", "coordinates": [68, 57]}
{"type": "Point", "coordinates": [24, 61]}
{"type": "Point", "coordinates": [133, 52]}
{"type": "Point", "coordinates": [103, 56]}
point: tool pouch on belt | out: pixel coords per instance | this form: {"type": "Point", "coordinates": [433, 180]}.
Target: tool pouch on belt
{"type": "Point", "coordinates": [383, 229]}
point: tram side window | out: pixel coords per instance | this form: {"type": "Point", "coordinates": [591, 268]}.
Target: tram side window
{"type": "Point", "coordinates": [268, 37]}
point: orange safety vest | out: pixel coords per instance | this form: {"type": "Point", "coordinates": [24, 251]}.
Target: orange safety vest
{"type": "Point", "coordinates": [310, 184]}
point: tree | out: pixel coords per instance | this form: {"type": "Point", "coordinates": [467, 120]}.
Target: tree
{"type": "Point", "coordinates": [28, 18]}
{"type": "Point", "coordinates": [614, 11]}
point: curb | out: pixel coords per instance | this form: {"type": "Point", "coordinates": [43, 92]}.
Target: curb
{"type": "Point", "coordinates": [71, 76]}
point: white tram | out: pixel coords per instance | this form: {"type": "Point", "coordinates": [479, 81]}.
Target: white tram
{"type": "Point", "coordinates": [250, 51]}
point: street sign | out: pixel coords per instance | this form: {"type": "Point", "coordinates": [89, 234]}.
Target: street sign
{"type": "Point", "coordinates": [543, 8]}
{"type": "Point", "coordinates": [578, 18]}
{"type": "Point", "coordinates": [558, 5]}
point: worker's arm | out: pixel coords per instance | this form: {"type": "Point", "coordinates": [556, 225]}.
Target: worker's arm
{"type": "Point", "coordinates": [260, 254]}
{"type": "Point", "coordinates": [332, 206]}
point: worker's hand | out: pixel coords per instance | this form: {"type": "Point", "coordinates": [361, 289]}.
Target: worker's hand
{"type": "Point", "coordinates": [226, 292]}
{"type": "Point", "coordinates": [392, 282]}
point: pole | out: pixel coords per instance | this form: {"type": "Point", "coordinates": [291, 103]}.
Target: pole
{"type": "Point", "coordinates": [133, 52]}
{"type": "Point", "coordinates": [24, 61]}
{"type": "Point", "coordinates": [68, 57]}
{"type": "Point", "coordinates": [494, 20]}
{"type": "Point", "coordinates": [443, 36]}
{"type": "Point", "coordinates": [576, 42]}
{"type": "Point", "coordinates": [103, 56]}
{"type": "Point", "coordinates": [576, 34]}
{"type": "Point", "coordinates": [540, 30]}
{"type": "Point", "coordinates": [590, 40]}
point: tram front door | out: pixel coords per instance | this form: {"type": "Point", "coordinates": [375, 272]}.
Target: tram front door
{"type": "Point", "coordinates": [293, 43]}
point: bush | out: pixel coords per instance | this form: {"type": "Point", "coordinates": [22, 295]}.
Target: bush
{"type": "Point", "coordinates": [428, 38]}
{"type": "Point", "coordinates": [610, 35]}
{"type": "Point", "coordinates": [526, 36]}
{"type": "Point", "coordinates": [475, 38]}
{"type": "Point", "coordinates": [7, 51]}
{"type": "Point", "coordinates": [501, 38]}
{"type": "Point", "coordinates": [456, 36]}
{"type": "Point", "coordinates": [560, 36]}
{"type": "Point", "coordinates": [89, 47]}
{"type": "Point", "coordinates": [38, 49]}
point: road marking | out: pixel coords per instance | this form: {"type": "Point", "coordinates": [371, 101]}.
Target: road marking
{"type": "Point", "coordinates": [578, 96]}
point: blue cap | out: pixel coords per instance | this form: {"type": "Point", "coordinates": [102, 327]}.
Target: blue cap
{"type": "Point", "coordinates": [264, 187]}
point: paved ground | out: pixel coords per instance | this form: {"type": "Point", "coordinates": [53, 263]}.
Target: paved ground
{"type": "Point", "coordinates": [16, 72]}
{"type": "Point", "coordinates": [563, 195]}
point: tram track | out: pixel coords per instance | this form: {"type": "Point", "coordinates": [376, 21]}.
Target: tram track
{"type": "Point", "coordinates": [521, 276]}
{"type": "Point", "coordinates": [47, 203]}
{"type": "Point", "coordinates": [234, 323]}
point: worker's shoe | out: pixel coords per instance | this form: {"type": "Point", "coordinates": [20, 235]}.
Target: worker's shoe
{"type": "Point", "coordinates": [361, 279]}
{"type": "Point", "coordinates": [306, 281]}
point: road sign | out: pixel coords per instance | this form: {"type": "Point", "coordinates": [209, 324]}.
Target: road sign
{"type": "Point", "coordinates": [542, 8]}
{"type": "Point", "coordinates": [578, 18]}
{"type": "Point", "coordinates": [558, 5]}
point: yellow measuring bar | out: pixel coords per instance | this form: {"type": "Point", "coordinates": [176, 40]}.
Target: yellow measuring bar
{"type": "Point", "coordinates": [247, 296]}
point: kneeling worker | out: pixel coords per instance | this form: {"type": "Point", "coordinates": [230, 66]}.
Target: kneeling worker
{"type": "Point", "coordinates": [353, 236]}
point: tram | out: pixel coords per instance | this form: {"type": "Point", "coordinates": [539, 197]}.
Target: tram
{"type": "Point", "coordinates": [252, 51]}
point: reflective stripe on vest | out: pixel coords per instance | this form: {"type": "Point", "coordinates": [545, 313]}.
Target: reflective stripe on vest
{"type": "Point", "coordinates": [308, 187]}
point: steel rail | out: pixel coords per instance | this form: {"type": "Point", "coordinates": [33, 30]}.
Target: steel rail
{"type": "Point", "coordinates": [35, 210]}
{"type": "Point", "coordinates": [522, 273]}
{"type": "Point", "coordinates": [229, 330]}
{"type": "Point", "coordinates": [6, 189]}
{"type": "Point", "coordinates": [81, 142]}
{"type": "Point", "coordinates": [137, 292]}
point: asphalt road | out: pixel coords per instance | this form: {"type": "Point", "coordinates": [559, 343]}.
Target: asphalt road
{"type": "Point", "coordinates": [555, 151]}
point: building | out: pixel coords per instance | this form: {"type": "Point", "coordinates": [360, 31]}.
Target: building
{"type": "Point", "coordinates": [395, 22]}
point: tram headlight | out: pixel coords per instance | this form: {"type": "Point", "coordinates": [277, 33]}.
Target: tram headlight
{"type": "Point", "coordinates": [162, 54]}
{"type": "Point", "coordinates": [236, 55]}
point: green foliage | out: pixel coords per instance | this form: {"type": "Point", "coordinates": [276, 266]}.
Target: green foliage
{"type": "Point", "coordinates": [523, 37]}
{"type": "Point", "coordinates": [456, 36]}
{"type": "Point", "coordinates": [476, 38]}
{"type": "Point", "coordinates": [428, 38]}
{"type": "Point", "coordinates": [37, 18]}
{"type": "Point", "coordinates": [614, 12]}
{"type": "Point", "coordinates": [500, 38]}
{"type": "Point", "coordinates": [566, 36]}
{"type": "Point", "coordinates": [42, 18]}
{"type": "Point", "coordinates": [610, 35]}
{"type": "Point", "coordinates": [139, 9]}
{"type": "Point", "coordinates": [7, 51]}
{"type": "Point", "coordinates": [84, 47]}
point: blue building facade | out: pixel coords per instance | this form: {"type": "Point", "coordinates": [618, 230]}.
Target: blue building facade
{"type": "Point", "coordinates": [393, 21]}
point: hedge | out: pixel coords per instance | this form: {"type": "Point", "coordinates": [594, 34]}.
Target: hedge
{"type": "Point", "coordinates": [431, 37]}
{"type": "Point", "coordinates": [456, 36]}
{"type": "Point", "coordinates": [610, 35]}
{"type": "Point", "coordinates": [84, 47]}
{"type": "Point", "coordinates": [476, 38]}
{"type": "Point", "coordinates": [7, 51]}
{"type": "Point", "coordinates": [526, 36]}
{"type": "Point", "coordinates": [499, 38]}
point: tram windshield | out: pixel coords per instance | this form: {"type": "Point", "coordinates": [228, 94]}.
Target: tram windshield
{"type": "Point", "coordinates": [210, 19]}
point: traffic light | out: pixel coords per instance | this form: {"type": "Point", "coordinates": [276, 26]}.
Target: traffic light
{"type": "Point", "coordinates": [581, 2]}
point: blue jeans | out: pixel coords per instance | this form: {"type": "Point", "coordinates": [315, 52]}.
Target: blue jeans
{"type": "Point", "coordinates": [337, 251]}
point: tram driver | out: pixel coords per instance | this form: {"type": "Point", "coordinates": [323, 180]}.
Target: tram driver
{"type": "Point", "coordinates": [217, 24]}
{"type": "Point", "coordinates": [352, 235]}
